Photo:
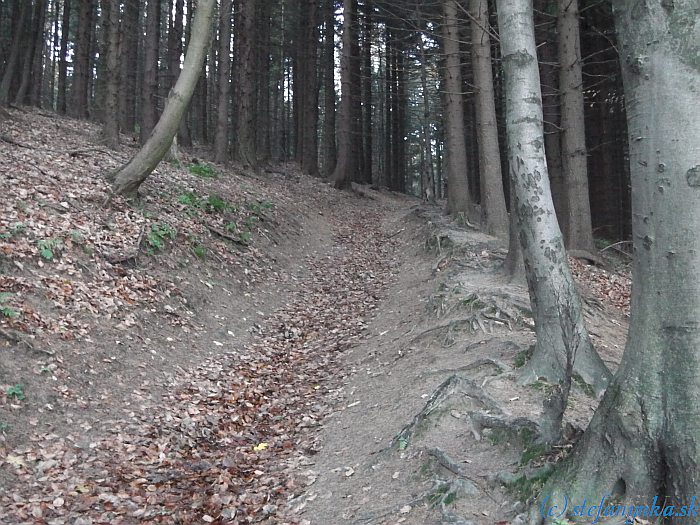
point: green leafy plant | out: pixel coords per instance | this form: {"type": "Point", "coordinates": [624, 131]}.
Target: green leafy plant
{"type": "Point", "coordinates": [190, 199]}
{"type": "Point", "coordinates": [48, 248]}
{"type": "Point", "coordinates": [159, 233]}
{"type": "Point", "coordinates": [215, 204]}
{"type": "Point", "coordinates": [403, 443]}
{"type": "Point", "coordinates": [231, 227]}
{"type": "Point", "coordinates": [245, 237]}
{"type": "Point", "coordinates": [6, 310]}
{"type": "Point", "coordinates": [15, 229]}
{"type": "Point", "coordinates": [15, 391]}
{"type": "Point", "coordinates": [203, 170]}
{"type": "Point", "coordinates": [4, 426]}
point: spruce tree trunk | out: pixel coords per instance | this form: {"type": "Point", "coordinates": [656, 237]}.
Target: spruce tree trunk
{"type": "Point", "coordinates": [579, 232]}
{"type": "Point", "coordinates": [329, 146]}
{"type": "Point", "coordinates": [128, 179]}
{"type": "Point", "coordinates": [245, 135]}
{"type": "Point", "coordinates": [129, 65]}
{"type": "Point", "coordinates": [644, 439]}
{"type": "Point", "coordinates": [347, 163]}
{"type": "Point", "coordinates": [149, 90]}
{"type": "Point", "coordinates": [493, 203]}
{"type": "Point", "coordinates": [13, 61]}
{"type": "Point", "coordinates": [79, 91]}
{"type": "Point", "coordinates": [111, 102]}
{"type": "Point", "coordinates": [427, 182]}
{"type": "Point", "coordinates": [222, 119]}
{"type": "Point", "coordinates": [457, 182]}
{"type": "Point", "coordinates": [561, 334]}
{"type": "Point", "coordinates": [63, 59]}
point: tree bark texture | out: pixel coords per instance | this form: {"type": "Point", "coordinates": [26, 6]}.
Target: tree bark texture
{"type": "Point", "coordinates": [644, 439]}
{"type": "Point", "coordinates": [556, 305]}
{"type": "Point", "coordinates": [128, 179]}
{"type": "Point", "coordinates": [457, 183]}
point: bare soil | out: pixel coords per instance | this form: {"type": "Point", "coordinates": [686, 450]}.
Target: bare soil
{"type": "Point", "coordinates": [294, 355]}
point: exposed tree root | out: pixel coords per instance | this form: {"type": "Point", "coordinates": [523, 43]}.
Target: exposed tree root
{"type": "Point", "coordinates": [452, 385]}
{"type": "Point", "coordinates": [499, 366]}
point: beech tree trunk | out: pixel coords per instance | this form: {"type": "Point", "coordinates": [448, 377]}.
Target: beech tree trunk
{"type": "Point", "coordinates": [457, 182]}
{"type": "Point", "coordinates": [128, 178]}
{"type": "Point", "coordinates": [579, 232]}
{"type": "Point", "coordinates": [561, 334]}
{"type": "Point", "coordinates": [493, 203]}
{"type": "Point", "coordinates": [644, 439]}
{"type": "Point", "coordinates": [222, 118]}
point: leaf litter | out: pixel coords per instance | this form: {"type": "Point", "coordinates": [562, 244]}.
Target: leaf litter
{"type": "Point", "coordinates": [227, 439]}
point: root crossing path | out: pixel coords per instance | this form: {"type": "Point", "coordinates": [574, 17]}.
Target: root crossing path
{"type": "Point", "coordinates": [231, 438]}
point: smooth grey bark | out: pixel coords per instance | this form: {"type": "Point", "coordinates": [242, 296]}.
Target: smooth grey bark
{"type": "Point", "coordinates": [457, 183]}
{"type": "Point", "coordinates": [493, 204]}
{"type": "Point", "coordinates": [222, 118]}
{"type": "Point", "coordinates": [644, 439]}
{"type": "Point", "coordinates": [128, 178]}
{"type": "Point", "coordinates": [558, 314]}
{"type": "Point", "coordinates": [579, 231]}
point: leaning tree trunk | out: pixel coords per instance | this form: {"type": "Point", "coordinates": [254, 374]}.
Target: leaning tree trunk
{"type": "Point", "coordinates": [128, 179]}
{"type": "Point", "coordinates": [579, 233]}
{"type": "Point", "coordinates": [644, 439]}
{"type": "Point", "coordinates": [561, 334]}
{"type": "Point", "coordinates": [493, 203]}
{"type": "Point", "coordinates": [457, 183]}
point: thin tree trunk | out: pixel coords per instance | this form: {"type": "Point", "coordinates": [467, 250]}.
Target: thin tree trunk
{"type": "Point", "coordinates": [561, 333]}
{"type": "Point", "coordinates": [329, 146]}
{"type": "Point", "coordinates": [366, 75]}
{"type": "Point", "coordinates": [63, 59]}
{"type": "Point", "coordinates": [579, 233]}
{"type": "Point", "coordinates": [427, 182]}
{"type": "Point", "coordinates": [457, 184]}
{"type": "Point", "coordinates": [129, 178]}
{"type": "Point", "coordinates": [222, 120]}
{"type": "Point", "coordinates": [493, 203]}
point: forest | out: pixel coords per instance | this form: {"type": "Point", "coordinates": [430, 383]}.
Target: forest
{"type": "Point", "coordinates": [349, 261]}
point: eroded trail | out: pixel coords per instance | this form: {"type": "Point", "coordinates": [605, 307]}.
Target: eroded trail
{"type": "Point", "coordinates": [224, 444]}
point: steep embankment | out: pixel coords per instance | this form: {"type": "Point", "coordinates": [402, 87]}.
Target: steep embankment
{"type": "Point", "coordinates": [169, 363]}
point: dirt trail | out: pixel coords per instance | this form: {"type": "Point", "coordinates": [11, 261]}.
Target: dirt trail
{"type": "Point", "coordinates": [432, 426]}
{"type": "Point", "coordinates": [227, 439]}
{"type": "Point", "coordinates": [354, 363]}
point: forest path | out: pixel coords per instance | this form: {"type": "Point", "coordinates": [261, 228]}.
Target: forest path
{"type": "Point", "coordinates": [255, 347]}
{"type": "Point", "coordinates": [225, 442]}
